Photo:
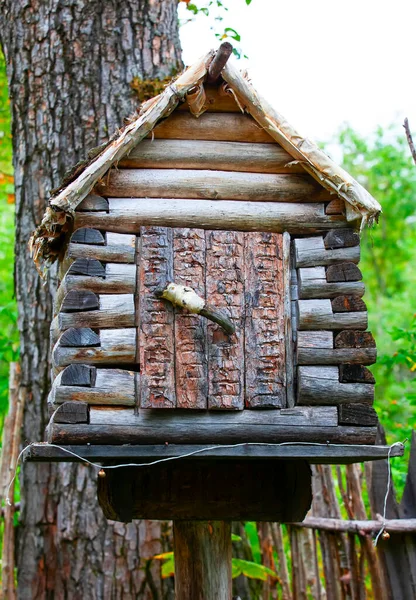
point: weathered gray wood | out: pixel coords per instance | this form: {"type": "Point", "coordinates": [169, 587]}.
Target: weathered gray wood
{"type": "Point", "coordinates": [341, 238]}
{"type": "Point", "coordinates": [203, 555]}
{"type": "Point", "coordinates": [218, 156]}
{"type": "Point", "coordinates": [115, 310]}
{"type": "Point", "coordinates": [294, 316]}
{"type": "Point", "coordinates": [88, 236]}
{"type": "Point", "coordinates": [196, 100]}
{"type": "Point", "coordinates": [87, 266]}
{"type": "Point", "coordinates": [119, 248]}
{"type": "Point", "coordinates": [217, 99]}
{"type": "Point", "coordinates": [328, 453]}
{"type": "Point", "coordinates": [335, 207]}
{"type": "Point", "coordinates": [360, 527]}
{"type": "Point", "coordinates": [80, 375]}
{"type": "Point", "coordinates": [354, 339]}
{"type": "Point", "coordinates": [156, 318]}
{"type": "Point", "coordinates": [191, 371]}
{"type": "Point", "coordinates": [118, 278]}
{"type": "Point", "coordinates": [313, 284]}
{"type": "Point", "coordinates": [93, 202]}
{"type": "Point", "coordinates": [71, 412]}
{"type": "Point", "coordinates": [311, 252]}
{"type": "Point", "coordinates": [225, 290]}
{"type": "Point", "coordinates": [211, 185]}
{"type": "Point", "coordinates": [347, 271]}
{"type": "Point", "coordinates": [350, 303]}
{"type": "Point", "coordinates": [355, 374]}
{"type": "Point", "coordinates": [264, 337]}
{"type": "Point", "coordinates": [111, 386]}
{"type": "Point", "coordinates": [128, 215]}
{"type": "Point", "coordinates": [299, 416]}
{"type": "Point", "coordinates": [317, 314]}
{"type": "Point", "coordinates": [227, 127]}
{"type": "Point", "coordinates": [321, 385]}
{"type": "Point", "coordinates": [218, 63]}
{"type": "Point", "coordinates": [78, 301]}
{"type": "Point", "coordinates": [315, 339]}
{"type": "Point", "coordinates": [288, 332]}
{"type": "Point", "coordinates": [357, 414]}
{"type": "Point", "coordinates": [174, 431]}
{"type": "Point", "coordinates": [111, 346]}
{"type": "Point", "coordinates": [74, 337]}
{"type": "Point", "coordinates": [336, 356]}
{"type": "Point", "coordinates": [205, 490]}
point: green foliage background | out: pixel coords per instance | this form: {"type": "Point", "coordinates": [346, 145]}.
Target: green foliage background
{"type": "Point", "coordinates": [8, 313]}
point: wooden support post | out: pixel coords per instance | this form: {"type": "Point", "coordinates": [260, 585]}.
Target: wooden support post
{"type": "Point", "coordinates": [202, 552]}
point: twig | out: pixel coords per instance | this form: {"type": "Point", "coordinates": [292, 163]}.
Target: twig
{"type": "Point", "coordinates": [410, 139]}
{"type": "Point", "coordinates": [358, 526]}
{"type": "Point", "coordinates": [187, 298]}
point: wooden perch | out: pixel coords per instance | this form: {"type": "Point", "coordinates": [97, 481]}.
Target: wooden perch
{"type": "Point", "coordinates": [219, 61]}
{"type": "Point", "coordinates": [185, 297]}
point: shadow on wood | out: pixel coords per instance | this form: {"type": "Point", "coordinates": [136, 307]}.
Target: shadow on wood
{"type": "Point", "coordinates": [193, 490]}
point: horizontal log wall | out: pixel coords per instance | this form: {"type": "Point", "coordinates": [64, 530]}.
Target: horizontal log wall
{"type": "Point", "coordinates": [216, 156]}
{"type": "Point", "coordinates": [331, 344]}
{"type": "Point", "coordinates": [123, 426]}
{"type": "Point", "coordinates": [129, 214]}
{"type": "Point", "coordinates": [211, 185]}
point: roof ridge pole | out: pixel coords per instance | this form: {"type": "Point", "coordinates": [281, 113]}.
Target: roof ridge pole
{"type": "Point", "coordinates": [219, 61]}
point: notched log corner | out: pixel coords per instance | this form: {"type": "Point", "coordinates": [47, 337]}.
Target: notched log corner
{"type": "Point", "coordinates": [185, 297]}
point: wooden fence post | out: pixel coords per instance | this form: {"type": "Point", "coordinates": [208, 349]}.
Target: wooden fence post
{"type": "Point", "coordinates": [202, 560]}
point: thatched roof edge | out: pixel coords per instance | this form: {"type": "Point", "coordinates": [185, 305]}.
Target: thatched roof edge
{"type": "Point", "coordinates": [46, 242]}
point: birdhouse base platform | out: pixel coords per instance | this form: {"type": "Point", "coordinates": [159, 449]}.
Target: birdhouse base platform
{"type": "Point", "coordinates": [113, 454]}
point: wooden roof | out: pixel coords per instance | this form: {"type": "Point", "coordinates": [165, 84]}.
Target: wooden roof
{"type": "Point", "coordinates": [49, 237]}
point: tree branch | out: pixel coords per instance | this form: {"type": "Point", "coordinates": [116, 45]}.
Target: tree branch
{"type": "Point", "coordinates": [361, 527]}
{"type": "Point", "coordinates": [410, 139]}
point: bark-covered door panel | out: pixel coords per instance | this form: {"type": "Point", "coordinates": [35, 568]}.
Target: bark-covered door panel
{"type": "Point", "coordinates": [189, 362]}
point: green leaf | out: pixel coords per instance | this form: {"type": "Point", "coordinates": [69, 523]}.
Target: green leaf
{"type": "Point", "coordinates": [232, 33]}
{"type": "Point", "coordinates": [236, 538]}
{"type": "Point", "coordinates": [168, 568]}
{"type": "Point", "coordinates": [251, 569]}
{"type": "Point", "coordinates": [248, 2]}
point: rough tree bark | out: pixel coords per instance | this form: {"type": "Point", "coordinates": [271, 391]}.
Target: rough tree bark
{"type": "Point", "coordinates": [70, 63]}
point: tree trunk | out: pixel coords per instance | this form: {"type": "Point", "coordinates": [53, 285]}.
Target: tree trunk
{"type": "Point", "coordinates": [70, 64]}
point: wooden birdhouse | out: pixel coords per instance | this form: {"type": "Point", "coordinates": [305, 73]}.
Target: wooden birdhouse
{"type": "Point", "coordinates": [209, 290]}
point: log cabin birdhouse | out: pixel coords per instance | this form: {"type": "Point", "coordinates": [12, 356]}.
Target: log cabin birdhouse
{"type": "Point", "coordinates": [209, 290]}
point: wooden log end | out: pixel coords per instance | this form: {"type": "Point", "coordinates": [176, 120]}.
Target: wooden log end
{"type": "Point", "coordinates": [362, 415]}
{"type": "Point", "coordinates": [341, 238]}
{"type": "Point", "coordinates": [355, 374]}
{"type": "Point", "coordinates": [79, 301]}
{"type": "Point", "coordinates": [76, 337]}
{"type": "Point", "coordinates": [335, 207]}
{"type": "Point", "coordinates": [72, 412]}
{"type": "Point", "coordinates": [93, 203]}
{"type": "Point", "coordinates": [87, 235]}
{"type": "Point", "coordinates": [347, 271]}
{"type": "Point", "coordinates": [89, 267]}
{"type": "Point", "coordinates": [354, 339]}
{"type": "Point", "coordinates": [79, 375]}
{"type": "Point", "coordinates": [349, 303]}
